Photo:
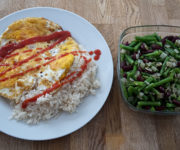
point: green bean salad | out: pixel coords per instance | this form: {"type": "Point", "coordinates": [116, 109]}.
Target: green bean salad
{"type": "Point", "coordinates": [150, 72]}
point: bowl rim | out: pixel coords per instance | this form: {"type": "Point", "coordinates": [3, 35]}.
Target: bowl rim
{"type": "Point", "coordinates": [119, 75]}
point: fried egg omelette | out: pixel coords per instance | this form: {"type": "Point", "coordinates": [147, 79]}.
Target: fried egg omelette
{"type": "Point", "coordinates": [14, 87]}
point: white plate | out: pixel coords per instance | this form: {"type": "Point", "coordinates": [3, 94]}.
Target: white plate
{"type": "Point", "coordinates": [87, 35]}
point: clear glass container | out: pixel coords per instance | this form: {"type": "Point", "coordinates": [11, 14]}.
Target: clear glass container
{"type": "Point", "coordinates": [128, 35]}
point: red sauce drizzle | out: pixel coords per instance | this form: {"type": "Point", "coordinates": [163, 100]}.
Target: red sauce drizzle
{"type": "Point", "coordinates": [4, 64]}
{"type": "Point", "coordinates": [39, 48]}
{"type": "Point", "coordinates": [48, 58]}
{"type": "Point", "coordinates": [8, 56]}
{"type": "Point", "coordinates": [57, 85]}
{"type": "Point", "coordinates": [26, 51]}
{"type": "Point", "coordinates": [38, 59]}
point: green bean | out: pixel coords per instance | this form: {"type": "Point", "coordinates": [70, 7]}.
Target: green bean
{"type": "Point", "coordinates": [148, 80]}
{"type": "Point", "coordinates": [145, 74]}
{"type": "Point", "coordinates": [170, 43]}
{"type": "Point", "coordinates": [129, 59]}
{"type": "Point", "coordinates": [164, 65]}
{"type": "Point", "coordinates": [132, 73]}
{"type": "Point", "coordinates": [157, 93]}
{"type": "Point", "coordinates": [165, 74]}
{"type": "Point", "coordinates": [144, 97]}
{"type": "Point", "coordinates": [176, 70]}
{"type": "Point", "coordinates": [172, 53]}
{"type": "Point", "coordinates": [158, 43]}
{"type": "Point", "coordinates": [148, 103]}
{"type": "Point", "coordinates": [158, 37]}
{"type": "Point", "coordinates": [138, 83]}
{"type": "Point", "coordinates": [170, 105]}
{"type": "Point", "coordinates": [171, 109]}
{"type": "Point", "coordinates": [161, 82]}
{"type": "Point", "coordinates": [152, 109]}
{"type": "Point", "coordinates": [133, 43]}
{"type": "Point", "coordinates": [137, 46]}
{"type": "Point", "coordinates": [145, 39]}
{"type": "Point", "coordinates": [122, 56]}
{"type": "Point", "coordinates": [152, 98]}
{"type": "Point", "coordinates": [178, 98]}
{"type": "Point", "coordinates": [124, 90]}
{"type": "Point", "coordinates": [154, 54]}
{"type": "Point", "coordinates": [150, 35]}
{"type": "Point", "coordinates": [141, 57]}
{"type": "Point", "coordinates": [128, 48]}
{"type": "Point", "coordinates": [131, 90]}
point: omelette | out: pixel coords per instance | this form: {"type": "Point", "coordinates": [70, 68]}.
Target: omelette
{"type": "Point", "coordinates": [37, 65]}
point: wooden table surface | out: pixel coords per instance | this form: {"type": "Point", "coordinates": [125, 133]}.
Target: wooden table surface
{"type": "Point", "coordinates": [115, 127]}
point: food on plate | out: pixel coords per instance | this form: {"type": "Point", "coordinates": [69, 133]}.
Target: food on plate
{"type": "Point", "coordinates": [43, 70]}
{"type": "Point", "coordinates": [150, 72]}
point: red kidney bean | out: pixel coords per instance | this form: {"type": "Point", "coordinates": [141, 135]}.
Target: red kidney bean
{"type": "Point", "coordinates": [159, 108]}
{"type": "Point", "coordinates": [126, 43]}
{"type": "Point", "coordinates": [148, 51]}
{"type": "Point", "coordinates": [178, 64]}
{"type": "Point", "coordinates": [145, 60]}
{"type": "Point", "coordinates": [175, 38]}
{"type": "Point", "coordinates": [140, 69]}
{"type": "Point", "coordinates": [155, 47]}
{"type": "Point", "coordinates": [167, 93]}
{"type": "Point", "coordinates": [170, 38]}
{"type": "Point", "coordinates": [134, 56]}
{"type": "Point", "coordinates": [123, 63]}
{"type": "Point", "coordinates": [161, 89]}
{"type": "Point", "coordinates": [146, 107]}
{"type": "Point", "coordinates": [176, 102]}
{"type": "Point", "coordinates": [140, 78]}
{"type": "Point", "coordinates": [125, 75]}
{"type": "Point", "coordinates": [127, 68]}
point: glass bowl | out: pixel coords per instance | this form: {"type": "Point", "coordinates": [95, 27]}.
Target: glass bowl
{"type": "Point", "coordinates": [128, 35]}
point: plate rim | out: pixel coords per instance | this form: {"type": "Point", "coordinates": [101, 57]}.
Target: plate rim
{"type": "Point", "coordinates": [111, 80]}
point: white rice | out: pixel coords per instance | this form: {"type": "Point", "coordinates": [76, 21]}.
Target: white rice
{"type": "Point", "coordinates": [67, 98]}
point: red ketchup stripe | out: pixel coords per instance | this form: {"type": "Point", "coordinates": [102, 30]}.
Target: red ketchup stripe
{"type": "Point", "coordinates": [4, 64]}
{"type": "Point", "coordinates": [26, 51]}
{"type": "Point", "coordinates": [39, 48]}
{"type": "Point", "coordinates": [8, 56]}
{"type": "Point", "coordinates": [38, 59]}
{"type": "Point", "coordinates": [57, 84]}
{"type": "Point", "coordinates": [48, 58]}
{"type": "Point", "coordinates": [7, 49]}
{"type": "Point", "coordinates": [62, 38]}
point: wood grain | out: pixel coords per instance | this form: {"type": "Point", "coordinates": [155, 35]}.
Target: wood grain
{"type": "Point", "coordinates": [115, 127]}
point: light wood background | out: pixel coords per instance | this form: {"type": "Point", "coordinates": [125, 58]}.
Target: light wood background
{"type": "Point", "coordinates": [115, 127]}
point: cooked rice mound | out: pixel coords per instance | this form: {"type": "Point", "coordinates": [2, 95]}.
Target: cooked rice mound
{"type": "Point", "coordinates": [67, 98]}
